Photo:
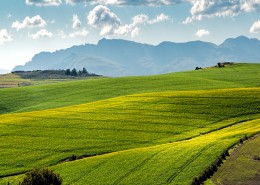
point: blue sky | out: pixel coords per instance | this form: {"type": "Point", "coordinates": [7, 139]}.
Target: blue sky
{"type": "Point", "coordinates": [28, 27]}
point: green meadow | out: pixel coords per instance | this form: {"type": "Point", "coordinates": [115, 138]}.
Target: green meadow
{"type": "Point", "coordinates": [82, 91]}
{"type": "Point", "coordinates": [162, 129]}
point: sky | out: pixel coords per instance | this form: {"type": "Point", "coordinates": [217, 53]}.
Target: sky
{"type": "Point", "coordinates": [28, 27]}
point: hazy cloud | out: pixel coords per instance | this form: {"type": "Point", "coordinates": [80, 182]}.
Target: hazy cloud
{"type": "Point", "coordinates": [128, 2]}
{"type": "Point", "coordinates": [135, 32]}
{"type": "Point", "coordinates": [76, 22]}
{"type": "Point", "coordinates": [79, 33]}
{"type": "Point", "coordinates": [160, 18]}
{"type": "Point", "coordinates": [44, 2]}
{"type": "Point", "coordinates": [255, 28]}
{"type": "Point", "coordinates": [43, 33]}
{"type": "Point", "coordinates": [202, 32]}
{"type": "Point", "coordinates": [138, 20]}
{"type": "Point", "coordinates": [4, 36]}
{"type": "Point", "coordinates": [28, 22]}
{"type": "Point", "coordinates": [8, 16]}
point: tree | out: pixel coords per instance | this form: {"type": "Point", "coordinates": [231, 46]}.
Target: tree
{"type": "Point", "coordinates": [73, 72]}
{"type": "Point", "coordinates": [221, 64]}
{"type": "Point", "coordinates": [42, 176]}
{"type": "Point", "coordinates": [67, 72]}
{"type": "Point", "coordinates": [84, 71]}
{"type": "Point", "coordinates": [80, 73]}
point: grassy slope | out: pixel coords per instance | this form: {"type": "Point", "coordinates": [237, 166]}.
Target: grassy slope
{"type": "Point", "coordinates": [71, 93]}
{"type": "Point", "coordinates": [172, 163]}
{"type": "Point", "coordinates": [144, 121]}
{"type": "Point", "coordinates": [119, 124]}
{"type": "Point", "coordinates": [12, 80]}
{"type": "Point", "coordinates": [241, 168]}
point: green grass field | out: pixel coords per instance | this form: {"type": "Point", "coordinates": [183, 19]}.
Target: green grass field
{"type": "Point", "coordinates": [15, 80]}
{"type": "Point", "coordinates": [77, 92]}
{"type": "Point", "coordinates": [163, 129]}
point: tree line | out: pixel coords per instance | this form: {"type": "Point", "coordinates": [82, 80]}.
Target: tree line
{"type": "Point", "coordinates": [80, 73]}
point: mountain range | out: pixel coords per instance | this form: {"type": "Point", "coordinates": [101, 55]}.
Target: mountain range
{"type": "Point", "coordinates": [117, 57]}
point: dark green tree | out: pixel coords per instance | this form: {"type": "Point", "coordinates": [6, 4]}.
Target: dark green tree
{"type": "Point", "coordinates": [80, 73]}
{"type": "Point", "coordinates": [73, 72]}
{"type": "Point", "coordinates": [84, 71]}
{"type": "Point", "coordinates": [67, 72]}
{"type": "Point", "coordinates": [42, 177]}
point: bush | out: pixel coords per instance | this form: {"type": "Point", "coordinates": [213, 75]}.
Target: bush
{"type": "Point", "coordinates": [42, 177]}
{"type": "Point", "coordinates": [72, 158]}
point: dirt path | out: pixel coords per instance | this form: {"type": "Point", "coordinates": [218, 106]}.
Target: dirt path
{"type": "Point", "coordinates": [242, 167]}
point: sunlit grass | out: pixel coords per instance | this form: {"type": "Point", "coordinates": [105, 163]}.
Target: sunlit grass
{"type": "Point", "coordinates": [77, 92]}
{"type": "Point", "coordinates": [172, 163]}
{"type": "Point", "coordinates": [45, 137]}
{"type": "Point", "coordinates": [163, 129]}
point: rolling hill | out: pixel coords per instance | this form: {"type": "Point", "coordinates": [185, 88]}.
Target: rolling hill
{"type": "Point", "coordinates": [162, 129]}
{"type": "Point", "coordinates": [124, 58]}
{"type": "Point", "coordinates": [83, 91]}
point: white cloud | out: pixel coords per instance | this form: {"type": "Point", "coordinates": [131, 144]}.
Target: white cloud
{"type": "Point", "coordinates": [139, 20]}
{"type": "Point", "coordinates": [250, 5]}
{"type": "Point", "coordinates": [128, 2]}
{"type": "Point", "coordinates": [202, 32]}
{"type": "Point", "coordinates": [44, 2]}
{"type": "Point", "coordinates": [160, 18]}
{"type": "Point", "coordinates": [210, 8]}
{"type": "Point", "coordinates": [77, 33]}
{"type": "Point", "coordinates": [143, 19]}
{"type": "Point", "coordinates": [80, 33]}
{"type": "Point", "coordinates": [255, 28]}
{"type": "Point", "coordinates": [135, 32]}
{"type": "Point", "coordinates": [202, 9]}
{"type": "Point", "coordinates": [28, 22]}
{"type": "Point", "coordinates": [109, 23]}
{"type": "Point", "coordinates": [43, 33]}
{"type": "Point", "coordinates": [101, 17]}
{"type": "Point", "coordinates": [76, 22]}
{"type": "Point", "coordinates": [4, 36]}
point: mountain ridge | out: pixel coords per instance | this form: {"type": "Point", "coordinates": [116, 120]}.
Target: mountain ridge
{"type": "Point", "coordinates": [118, 57]}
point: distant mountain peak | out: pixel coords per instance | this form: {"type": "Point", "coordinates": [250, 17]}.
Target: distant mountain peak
{"type": "Point", "coordinates": [239, 41]}
{"type": "Point", "coordinates": [117, 57]}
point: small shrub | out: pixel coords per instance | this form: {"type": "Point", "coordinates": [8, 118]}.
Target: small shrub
{"type": "Point", "coordinates": [42, 177]}
{"type": "Point", "coordinates": [72, 158]}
